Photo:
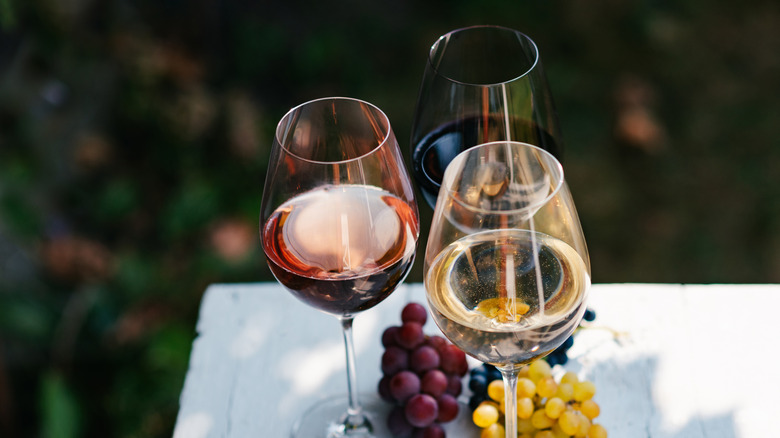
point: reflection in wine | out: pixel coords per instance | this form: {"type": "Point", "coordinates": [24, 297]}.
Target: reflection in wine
{"type": "Point", "coordinates": [468, 281]}
{"type": "Point", "coordinates": [341, 249]}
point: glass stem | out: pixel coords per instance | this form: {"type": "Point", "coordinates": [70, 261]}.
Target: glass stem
{"type": "Point", "coordinates": [509, 374]}
{"type": "Point", "coordinates": [354, 418]}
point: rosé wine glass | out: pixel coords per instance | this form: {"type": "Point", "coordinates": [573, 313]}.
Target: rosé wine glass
{"type": "Point", "coordinates": [339, 228]}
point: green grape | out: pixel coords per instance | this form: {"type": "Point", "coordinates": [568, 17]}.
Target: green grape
{"type": "Point", "coordinates": [546, 387]}
{"type": "Point", "coordinates": [597, 431]}
{"type": "Point", "coordinates": [485, 415]}
{"type": "Point", "coordinates": [525, 407]}
{"type": "Point", "coordinates": [540, 420]}
{"type": "Point", "coordinates": [558, 432]}
{"type": "Point", "coordinates": [525, 425]}
{"type": "Point", "coordinates": [495, 430]}
{"type": "Point", "coordinates": [554, 407]}
{"type": "Point", "coordinates": [539, 369]}
{"type": "Point", "coordinates": [570, 377]}
{"type": "Point", "coordinates": [546, 408]}
{"type": "Point", "coordinates": [590, 409]}
{"type": "Point", "coordinates": [565, 392]}
{"type": "Point", "coordinates": [495, 391]}
{"type": "Point", "coordinates": [523, 372]}
{"type": "Point", "coordinates": [584, 391]}
{"type": "Point", "coordinates": [584, 426]}
{"type": "Point", "coordinates": [525, 387]}
{"type": "Point", "coordinates": [569, 422]}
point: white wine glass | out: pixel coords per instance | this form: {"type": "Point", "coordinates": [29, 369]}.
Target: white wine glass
{"type": "Point", "coordinates": [339, 227]}
{"type": "Point", "coordinates": [480, 84]}
{"type": "Point", "coordinates": [506, 269]}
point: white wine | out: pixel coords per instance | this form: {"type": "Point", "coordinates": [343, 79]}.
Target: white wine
{"type": "Point", "coordinates": [484, 293]}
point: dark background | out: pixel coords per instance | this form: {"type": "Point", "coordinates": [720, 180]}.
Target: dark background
{"type": "Point", "coordinates": [134, 137]}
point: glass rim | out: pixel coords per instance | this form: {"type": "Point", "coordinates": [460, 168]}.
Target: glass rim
{"type": "Point", "coordinates": [449, 34]}
{"type": "Point", "coordinates": [558, 182]}
{"type": "Point", "coordinates": [292, 110]}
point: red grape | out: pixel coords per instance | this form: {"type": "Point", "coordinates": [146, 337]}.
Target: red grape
{"type": "Point", "coordinates": [434, 382]}
{"type": "Point", "coordinates": [410, 335]}
{"type": "Point", "coordinates": [453, 360]}
{"type": "Point", "coordinates": [454, 385]}
{"type": "Point", "coordinates": [421, 410]}
{"type": "Point", "coordinates": [404, 385]}
{"type": "Point", "coordinates": [448, 408]}
{"type": "Point", "coordinates": [421, 376]}
{"type": "Point", "coordinates": [437, 342]}
{"type": "Point", "coordinates": [414, 312]}
{"type": "Point", "coordinates": [394, 359]}
{"type": "Point", "coordinates": [388, 336]}
{"type": "Point", "coordinates": [384, 389]}
{"type": "Point", "coordinates": [432, 431]}
{"type": "Point", "coordinates": [424, 358]}
{"type": "Point", "coordinates": [397, 423]}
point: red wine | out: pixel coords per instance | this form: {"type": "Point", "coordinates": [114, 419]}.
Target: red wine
{"type": "Point", "coordinates": [341, 249]}
{"type": "Point", "coordinates": [434, 152]}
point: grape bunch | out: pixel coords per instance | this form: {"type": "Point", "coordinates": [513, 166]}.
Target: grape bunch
{"type": "Point", "coordinates": [546, 408]}
{"type": "Point", "coordinates": [559, 356]}
{"type": "Point", "coordinates": [421, 376]}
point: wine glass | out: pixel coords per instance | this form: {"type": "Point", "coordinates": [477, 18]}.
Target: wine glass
{"type": "Point", "coordinates": [481, 84]}
{"type": "Point", "coordinates": [506, 267]}
{"type": "Point", "coordinates": [339, 227]}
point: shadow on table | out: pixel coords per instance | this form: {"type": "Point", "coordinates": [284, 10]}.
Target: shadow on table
{"type": "Point", "coordinates": [631, 404]}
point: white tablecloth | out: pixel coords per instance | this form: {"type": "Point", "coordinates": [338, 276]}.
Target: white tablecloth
{"type": "Point", "coordinates": [683, 361]}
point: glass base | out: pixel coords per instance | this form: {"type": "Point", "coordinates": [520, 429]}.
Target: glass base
{"type": "Point", "coordinates": [324, 420]}
{"type": "Point", "coordinates": [327, 419]}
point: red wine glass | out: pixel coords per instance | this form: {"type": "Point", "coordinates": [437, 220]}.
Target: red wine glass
{"type": "Point", "coordinates": [481, 84]}
{"type": "Point", "coordinates": [339, 227]}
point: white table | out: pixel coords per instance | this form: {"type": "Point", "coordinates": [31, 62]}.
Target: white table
{"type": "Point", "coordinates": [683, 361]}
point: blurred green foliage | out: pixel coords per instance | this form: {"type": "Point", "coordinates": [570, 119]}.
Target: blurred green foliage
{"type": "Point", "coordinates": [134, 137]}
